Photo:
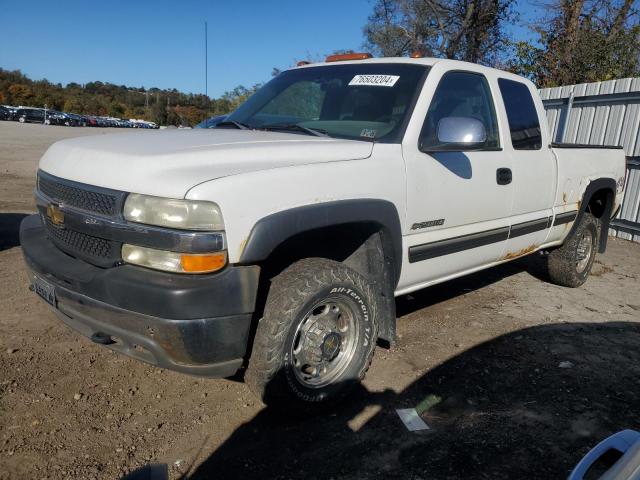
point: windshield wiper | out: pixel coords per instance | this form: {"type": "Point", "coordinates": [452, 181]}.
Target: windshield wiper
{"type": "Point", "coordinates": [295, 127]}
{"type": "Point", "coordinates": [233, 123]}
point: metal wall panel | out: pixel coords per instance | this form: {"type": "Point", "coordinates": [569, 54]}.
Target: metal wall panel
{"type": "Point", "coordinates": [603, 113]}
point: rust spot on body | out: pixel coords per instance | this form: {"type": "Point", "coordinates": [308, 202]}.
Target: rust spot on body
{"type": "Point", "coordinates": [564, 197]}
{"type": "Point", "coordinates": [243, 244]}
{"type": "Point", "coordinates": [519, 253]}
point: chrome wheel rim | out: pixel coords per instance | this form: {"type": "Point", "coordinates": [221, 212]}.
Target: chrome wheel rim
{"type": "Point", "coordinates": [324, 342]}
{"type": "Point", "coordinates": [583, 251]}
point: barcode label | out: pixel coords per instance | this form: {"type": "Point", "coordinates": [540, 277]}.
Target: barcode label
{"type": "Point", "coordinates": [375, 80]}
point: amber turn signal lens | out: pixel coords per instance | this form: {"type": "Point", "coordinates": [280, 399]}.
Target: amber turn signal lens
{"type": "Point", "coordinates": [348, 56]}
{"type": "Point", "coordinates": [210, 262]}
{"type": "Point", "coordinates": [174, 261]}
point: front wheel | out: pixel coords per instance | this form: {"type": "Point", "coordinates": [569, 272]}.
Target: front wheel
{"type": "Point", "coordinates": [317, 335]}
{"type": "Point", "coordinates": [570, 264]}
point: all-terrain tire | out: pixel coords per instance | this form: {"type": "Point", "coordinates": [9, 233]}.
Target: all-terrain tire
{"type": "Point", "coordinates": [570, 264]}
{"type": "Point", "coordinates": [294, 296]}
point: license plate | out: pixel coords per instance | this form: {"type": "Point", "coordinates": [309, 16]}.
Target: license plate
{"type": "Point", "coordinates": [45, 290]}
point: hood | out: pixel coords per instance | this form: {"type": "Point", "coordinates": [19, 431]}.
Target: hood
{"type": "Point", "coordinates": [170, 162]}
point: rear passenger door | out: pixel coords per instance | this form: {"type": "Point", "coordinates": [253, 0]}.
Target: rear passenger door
{"type": "Point", "coordinates": [533, 166]}
{"type": "Point", "coordinates": [457, 217]}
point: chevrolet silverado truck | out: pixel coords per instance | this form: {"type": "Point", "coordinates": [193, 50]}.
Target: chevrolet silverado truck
{"type": "Point", "coordinates": [273, 245]}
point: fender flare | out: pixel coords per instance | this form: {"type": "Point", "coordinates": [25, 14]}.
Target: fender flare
{"type": "Point", "coordinates": [593, 187]}
{"type": "Point", "coordinates": [272, 230]}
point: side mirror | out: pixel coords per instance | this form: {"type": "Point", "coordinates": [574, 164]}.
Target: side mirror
{"type": "Point", "coordinates": [461, 130]}
{"type": "Point", "coordinates": [458, 134]}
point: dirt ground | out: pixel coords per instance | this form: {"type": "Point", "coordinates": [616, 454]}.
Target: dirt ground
{"type": "Point", "coordinates": [479, 357]}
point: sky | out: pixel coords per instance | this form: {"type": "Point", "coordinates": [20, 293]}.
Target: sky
{"type": "Point", "coordinates": [160, 43]}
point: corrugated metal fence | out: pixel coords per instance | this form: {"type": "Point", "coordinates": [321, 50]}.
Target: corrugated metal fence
{"type": "Point", "coordinates": [603, 113]}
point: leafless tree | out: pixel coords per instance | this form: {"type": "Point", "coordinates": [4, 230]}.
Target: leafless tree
{"type": "Point", "coordinates": [470, 30]}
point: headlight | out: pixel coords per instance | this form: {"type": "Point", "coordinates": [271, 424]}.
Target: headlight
{"type": "Point", "coordinates": [174, 261]}
{"type": "Point", "coordinates": [168, 212]}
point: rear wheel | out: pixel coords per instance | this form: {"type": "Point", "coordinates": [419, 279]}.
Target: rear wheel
{"type": "Point", "coordinates": [317, 335]}
{"type": "Point", "coordinates": [570, 264]}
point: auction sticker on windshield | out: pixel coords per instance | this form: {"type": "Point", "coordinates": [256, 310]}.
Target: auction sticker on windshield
{"type": "Point", "coordinates": [375, 80]}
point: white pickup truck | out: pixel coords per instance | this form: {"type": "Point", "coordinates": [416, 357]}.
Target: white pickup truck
{"type": "Point", "coordinates": [273, 245]}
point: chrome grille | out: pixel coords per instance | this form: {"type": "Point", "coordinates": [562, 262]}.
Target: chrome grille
{"type": "Point", "coordinates": [78, 197]}
{"type": "Point", "coordinates": [80, 243]}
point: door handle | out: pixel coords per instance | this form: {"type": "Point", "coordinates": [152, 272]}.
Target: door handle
{"type": "Point", "coordinates": [504, 176]}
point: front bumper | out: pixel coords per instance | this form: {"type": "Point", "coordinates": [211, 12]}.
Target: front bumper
{"type": "Point", "coordinates": [196, 324]}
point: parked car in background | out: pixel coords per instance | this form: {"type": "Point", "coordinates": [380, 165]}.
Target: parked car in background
{"type": "Point", "coordinates": [67, 120]}
{"type": "Point", "coordinates": [5, 113]}
{"type": "Point", "coordinates": [75, 120]}
{"type": "Point", "coordinates": [55, 118]}
{"type": "Point", "coordinates": [211, 122]}
{"type": "Point", "coordinates": [12, 111]}
{"type": "Point", "coordinates": [144, 124]}
{"type": "Point", "coordinates": [30, 115]}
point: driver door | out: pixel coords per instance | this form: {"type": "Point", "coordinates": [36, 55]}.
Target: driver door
{"type": "Point", "coordinates": [458, 199]}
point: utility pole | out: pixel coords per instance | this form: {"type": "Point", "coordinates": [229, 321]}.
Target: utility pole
{"type": "Point", "coordinates": [206, 67]}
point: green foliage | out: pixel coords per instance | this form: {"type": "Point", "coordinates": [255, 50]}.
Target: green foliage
{"type": "Point", "coordinates": [582, 41]}
{"type": "Point", "coordinates": [577, 41]}
{"type": "Point", "coordinates": [231, 100]}
{"type": "Point", "coordinates": [165, 107]}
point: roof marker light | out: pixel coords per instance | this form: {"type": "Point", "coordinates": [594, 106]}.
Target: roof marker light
{"type": "Point", "coordinates": [348, 56]}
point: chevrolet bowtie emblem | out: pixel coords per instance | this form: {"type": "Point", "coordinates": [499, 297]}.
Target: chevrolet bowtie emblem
{"type": "Point", "coordinates": [55, 215]}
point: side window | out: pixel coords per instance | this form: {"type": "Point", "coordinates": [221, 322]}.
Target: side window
{"type": "Point", "coordinates": [461, 94]}
{"type": "Point", "coordinates": [524, 124]}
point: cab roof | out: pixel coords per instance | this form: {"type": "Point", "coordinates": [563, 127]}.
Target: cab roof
{"type": "Point", "coordinates": [429, 62]}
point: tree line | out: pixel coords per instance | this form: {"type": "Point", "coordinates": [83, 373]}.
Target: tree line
{"type": "Point", "coordinates": [570, 41]}
{"type": "Point", "coordinates": [165, 107]}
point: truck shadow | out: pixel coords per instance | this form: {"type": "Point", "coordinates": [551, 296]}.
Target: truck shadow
{"type": "Point", "coordinates": [10, 229]}
{"type": "Point", "coordinates": [528, 404]}
{"type": "Point", "coordinates": [534, 265]}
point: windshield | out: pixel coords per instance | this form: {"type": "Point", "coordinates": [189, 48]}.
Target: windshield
{"type": "Point", "coordinates": [358, 101]}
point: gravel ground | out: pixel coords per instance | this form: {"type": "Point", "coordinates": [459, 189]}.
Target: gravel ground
{"type": "Point", "coordinates": [481, 357]}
